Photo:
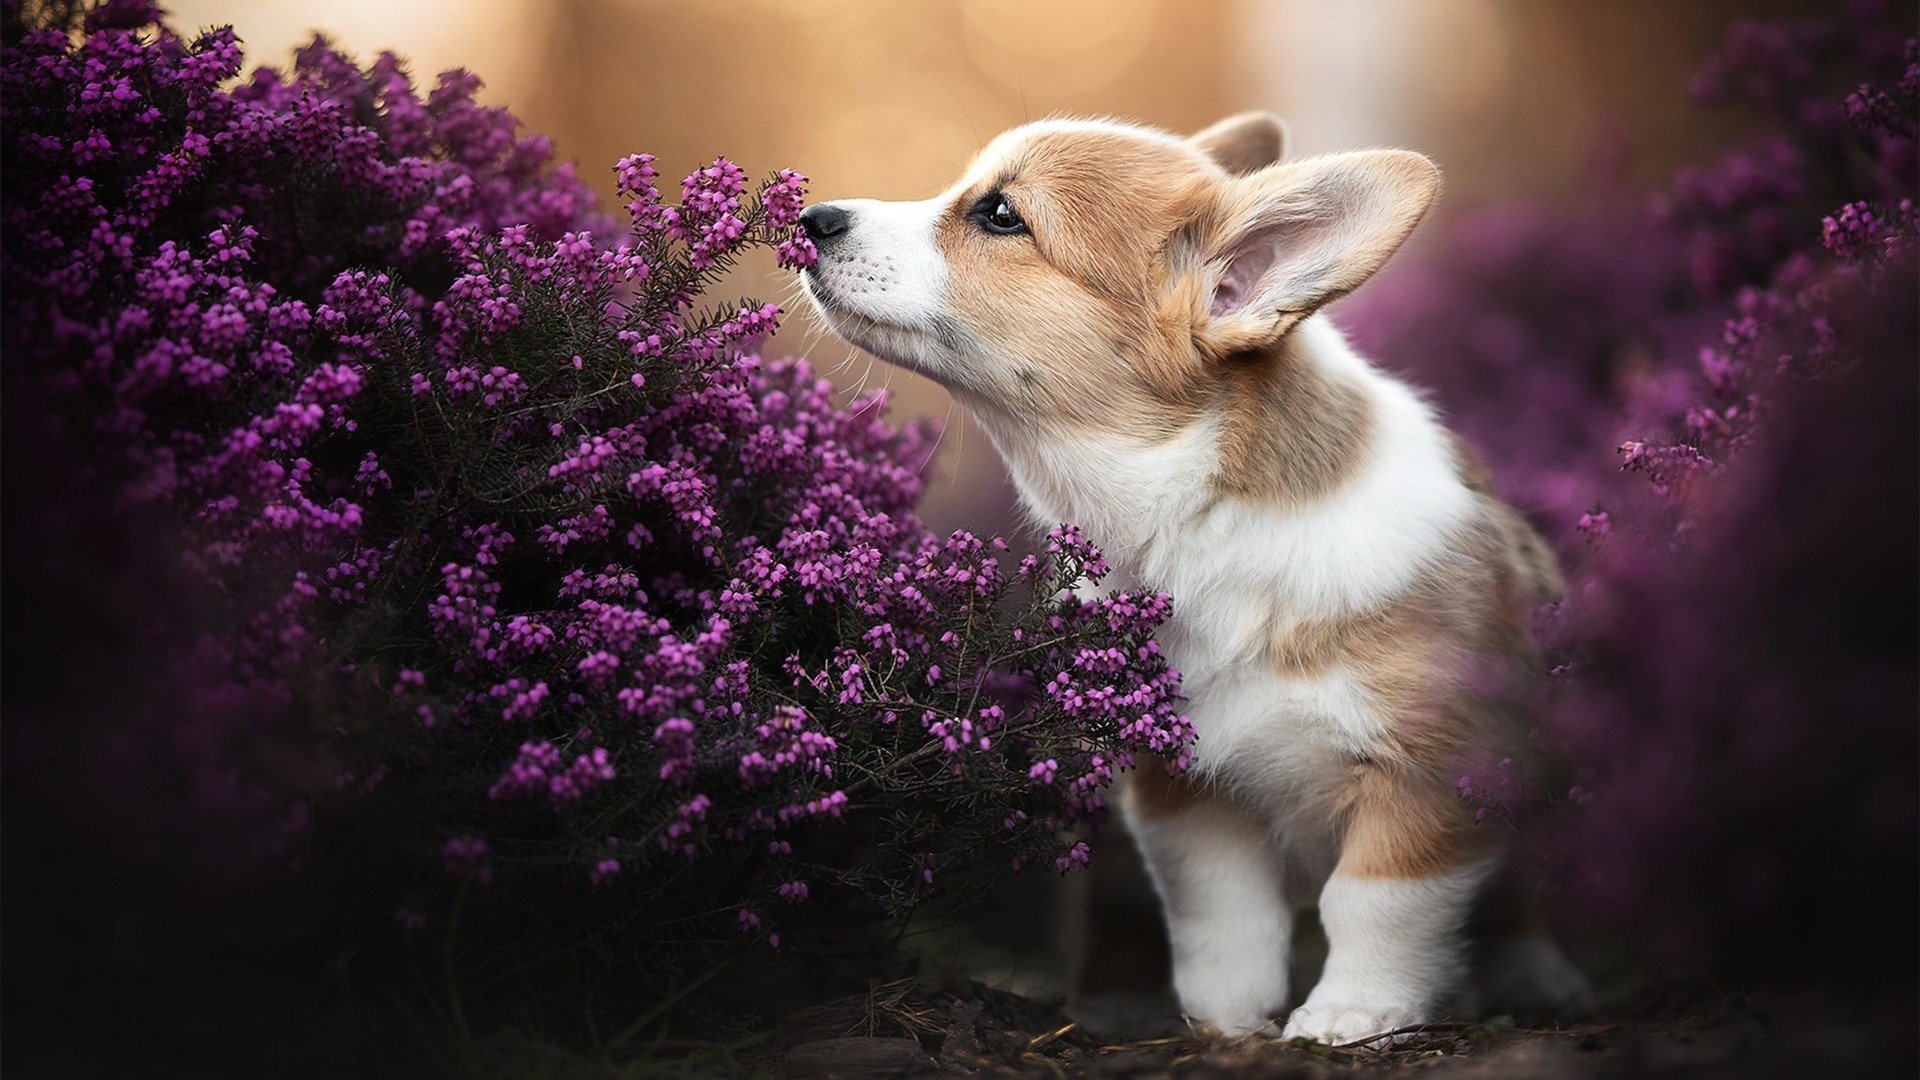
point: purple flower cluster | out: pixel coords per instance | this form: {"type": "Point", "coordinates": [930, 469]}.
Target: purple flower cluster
{"type": "Point", "coordinates": [582, 580]}
{"type": "Point", "coordinates": [1672, 398]}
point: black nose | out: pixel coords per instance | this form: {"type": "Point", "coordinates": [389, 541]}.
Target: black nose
{"type": "Point", "coordinates": [824, 222]}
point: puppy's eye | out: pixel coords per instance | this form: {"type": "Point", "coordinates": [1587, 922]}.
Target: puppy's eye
{"type": "Point", "coordinates": [996, 215]}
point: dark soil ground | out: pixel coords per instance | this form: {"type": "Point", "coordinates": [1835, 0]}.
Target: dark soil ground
{"type": "Point", "coordinates": [980, 1005]}
{"type": "Point", "coordinates": [906, 1030]}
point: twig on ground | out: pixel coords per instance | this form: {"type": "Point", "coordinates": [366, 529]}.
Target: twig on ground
{"type": "Point", "coordinates": [1039, 1041]}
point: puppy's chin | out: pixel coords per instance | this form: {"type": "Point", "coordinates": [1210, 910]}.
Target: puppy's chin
{"type": "Point", "coordinates": [902, 346]}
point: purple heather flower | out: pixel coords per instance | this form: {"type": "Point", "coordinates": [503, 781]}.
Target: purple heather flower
{"type": "Point", "coordinates": [1075, 858]}
{"type": "Point", "coordinates": [466, 856]}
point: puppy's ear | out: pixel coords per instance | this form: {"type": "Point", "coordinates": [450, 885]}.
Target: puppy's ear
{"type": "Point", "coordinates": [1243, 143]}
{"type": "Point", "coordinates": [1275, 246]}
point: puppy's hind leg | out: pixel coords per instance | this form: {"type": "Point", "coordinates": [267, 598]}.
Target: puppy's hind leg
{"type": "Point", "coordinates": [1219, 879]}
{"type": "Point", "coordinates": [1518, 967]}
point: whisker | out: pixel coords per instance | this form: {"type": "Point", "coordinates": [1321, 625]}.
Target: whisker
{"type": "Point", "coordinates": [854, 393]}
{"type": "Point", "coordinates": [864, 378]}
{"type": "Point", "coordinates": [887, 385]}
{"type": "Point", "coordinates": [945, 424]}
{"type": "Point", "coordinates": [959, 443]}
{"type": "Point", "coordinates": [854, 354]}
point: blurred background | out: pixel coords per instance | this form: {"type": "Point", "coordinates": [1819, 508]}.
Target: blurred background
{"type": "Point", "coordinates": [881, 99]}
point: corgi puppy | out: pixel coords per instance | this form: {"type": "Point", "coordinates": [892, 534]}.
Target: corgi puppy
{"type": "Point", "coordinates": [1134, 318]}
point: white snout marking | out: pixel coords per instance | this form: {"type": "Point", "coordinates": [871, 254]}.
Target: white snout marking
{"type": "Point", "coordinates": [886, 267]}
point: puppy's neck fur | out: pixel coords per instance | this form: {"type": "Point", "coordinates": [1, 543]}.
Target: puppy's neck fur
{"type": "Point", "coordinates": [1347, 469]}
{"type": "Point", "coordinates": [1296, 420]}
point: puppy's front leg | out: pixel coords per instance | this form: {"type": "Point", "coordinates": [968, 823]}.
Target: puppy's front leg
{"type": "Point", "coordinates": [1219, 881]}
{"type": "Point", "coordinates": [1394, 912]}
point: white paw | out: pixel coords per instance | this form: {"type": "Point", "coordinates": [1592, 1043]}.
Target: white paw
{"type": "Point", "coordinates": [1335, 1023]}
{"type": "Point", "coordinates": [1242, 1027]}
{"type": "Point", "coordinates": [1234, 1001]}
{"type": "Point", "coordinates": [1233, 1018]}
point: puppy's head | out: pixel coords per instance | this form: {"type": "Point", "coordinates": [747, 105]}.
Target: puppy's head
{"type": "Point", "coordinates": [1108, 276]}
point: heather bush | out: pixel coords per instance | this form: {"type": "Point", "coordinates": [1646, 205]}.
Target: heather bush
{"type": "Point", "coordinates": [494, 566]}
{"type": "Point", "coordinates": [1703, 396]}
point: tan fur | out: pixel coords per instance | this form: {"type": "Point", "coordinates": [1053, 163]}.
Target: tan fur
{"type": "Point", "coordinates": [1526, 551]}
{"type": "Point", "coordinates": [1471, 605]}
{"type": "Point", "coordinates": [1472, 471]}
{"type": "Point", "coordinates": [1243, 143]}
{"type": "Point", "coordinates": [1532, 560]}
{"type": "Point", "coordinates": [1408, 824]}
{"type": "Point", "coordinates": [1443, 659]}
{"type": "Point", "coordinates": [1292, 434]}
{"type": "Point", "coordinates": [1076, 301]}
{"type": "Point", "coordinates": [1150, 794]}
